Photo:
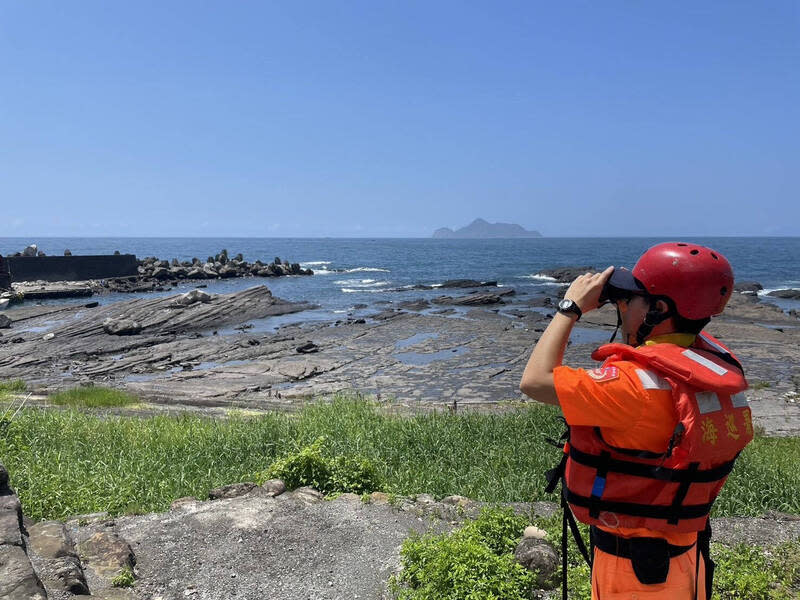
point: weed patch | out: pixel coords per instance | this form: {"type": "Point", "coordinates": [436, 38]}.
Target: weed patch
{"type": "Point", "coordinates": [124, 579]}
{"type": "Point", "coordinates": [476, 561]}
{"type": "Point", "coordinates": [329, 474]}
{"type": "Point", "coordinates": [93, 397]}
{"type": "Point", "coordinates": [12, 386]}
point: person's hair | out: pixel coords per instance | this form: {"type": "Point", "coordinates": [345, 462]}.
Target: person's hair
{"type": "Point", "coordinates": [694, 326]}
{"type": "Point", "coordinates": [682, 324]}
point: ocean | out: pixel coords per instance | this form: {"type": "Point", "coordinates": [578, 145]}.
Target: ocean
{"type": "Point", "coordinates": [367, 270]}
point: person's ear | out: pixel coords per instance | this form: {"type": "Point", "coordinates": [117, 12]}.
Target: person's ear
{"type": "Point", "coordinates": [662, 306]}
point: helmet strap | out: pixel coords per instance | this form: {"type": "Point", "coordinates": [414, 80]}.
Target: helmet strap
{"type": "Point", "coordinates": [619, 322]}
{"type": "Point", "coordinates": [651, 319]}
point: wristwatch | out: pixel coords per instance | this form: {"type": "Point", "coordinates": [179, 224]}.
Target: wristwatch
{"type": "Point", "coordinates": [568, 307]}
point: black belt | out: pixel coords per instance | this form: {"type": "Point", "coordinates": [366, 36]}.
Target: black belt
{"type": "Point", "coordinates": [622, 547]}
{"type": "Point", "coordinates": [650, 556]}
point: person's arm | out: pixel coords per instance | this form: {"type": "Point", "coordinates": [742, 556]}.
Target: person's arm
{"type": "Point", "coordinates": [537, 379]}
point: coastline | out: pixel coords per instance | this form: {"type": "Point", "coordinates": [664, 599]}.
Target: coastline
{"type": "Point", "coordinates": [464, 348]}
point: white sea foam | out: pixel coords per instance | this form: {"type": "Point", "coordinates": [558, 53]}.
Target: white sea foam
{"type": "Point", "coordinates": [540, 277]}
{"type": "Point", "coordinates": [359, 290]}
{"type": "Point", "coordinates": [354, 281]}
{"type": "Point", "coordinates": [314, 263]}
{"type": "Point", "coordinates": [366, 270]}
{"type": "Point", "coordinates": [324, 272]}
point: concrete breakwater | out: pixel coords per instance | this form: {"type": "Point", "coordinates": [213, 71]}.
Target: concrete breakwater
{"type": "Point", "coordinates": [36, 276]}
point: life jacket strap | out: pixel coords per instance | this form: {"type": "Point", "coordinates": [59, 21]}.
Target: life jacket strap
{"type": "Point", "coordinates": [651, 471]}
{"type": "Point", "coordinates": [646, 511]}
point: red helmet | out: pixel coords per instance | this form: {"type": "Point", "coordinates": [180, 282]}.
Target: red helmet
{"type": "Point", "coordinates": [697, 279]}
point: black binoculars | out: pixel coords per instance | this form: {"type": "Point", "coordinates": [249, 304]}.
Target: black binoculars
{"type": "Point", "coordinates": [621, 285]}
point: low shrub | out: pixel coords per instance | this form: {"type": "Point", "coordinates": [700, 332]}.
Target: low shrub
{"type": "Point", "coordinates": [475, 561]}
{"type": "Point", "coordinates": [751, 573]}
{"type": "Point", "coordinates": [310, 466]}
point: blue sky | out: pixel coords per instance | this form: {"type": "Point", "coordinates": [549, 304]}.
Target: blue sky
{"type": "Point", "coordinates": [197, 118]}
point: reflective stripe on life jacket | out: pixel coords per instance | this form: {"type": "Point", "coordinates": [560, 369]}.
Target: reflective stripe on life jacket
{"type": "Point", "coordinates": [675, 489]}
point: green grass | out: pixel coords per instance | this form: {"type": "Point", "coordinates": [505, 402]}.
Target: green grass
{"type": "Point", "coordinates": [93, 397]}
{"type": "Point", "coordinates": [68, 462]}
{"type": "Point", "coordinates": [12, 386]}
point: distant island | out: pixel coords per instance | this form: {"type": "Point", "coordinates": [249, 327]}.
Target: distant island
{"type": "Point", "coordinates": [482, 229]}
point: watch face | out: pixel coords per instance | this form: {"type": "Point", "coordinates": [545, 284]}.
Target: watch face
{"type": "Point", "coordinates": [565, 304]}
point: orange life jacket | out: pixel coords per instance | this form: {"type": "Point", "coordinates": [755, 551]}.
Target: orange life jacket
{"type": "Point", "coordinates": [674, 490]}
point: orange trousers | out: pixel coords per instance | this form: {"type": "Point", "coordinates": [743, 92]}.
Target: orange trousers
{"type": "Point", "coordinates": [613, 579]}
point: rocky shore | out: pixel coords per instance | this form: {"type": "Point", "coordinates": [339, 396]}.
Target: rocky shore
{"type": "Point", "coordinates": [464, 349]}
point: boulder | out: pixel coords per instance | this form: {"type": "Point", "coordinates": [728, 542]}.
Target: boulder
{"type": "Point", "coordinates": [307, 348]}
{"type": "Point", "coordinates": [475, 299]}
{"type": "Point", "coordinates": [121, 327]}
{"type": "Point", "coordinates": [193, 297]}
{"type": "Point", "coordinates": [416, 305]}
{"type": "Point", "coordinates": [233, 490]}
{"type": "Point", "coordinates": [466, 283]}
{"type": "Point", "coordinates": [789, 294]}
{"type": "Point", "coordinates": [228, 271]}
{"type": "Point", "coordinates": [5, 322]}
{"type": "Point", "coordinates": [747, 286]}
{"type": "Point", "coordinates": [106, 554]}
{"type": "Point", "coordinates": [18, 581]}
{"type": "Point", "coordinates": [31, 250]}
{"type": "Point", "coordinates": [52, 543]}
{"type": "Point", "coordinates": [10, 521]}
{"type": "Point", "coordinates": [541, 558]}
{"type": "Point", "coordinates": [49, 539]}
{"type": "Point", "coordinates": [67, 252]}
{"type": "Point", "coordinates": [196, 273]}
{"type": "Point", "coordinates": [565, 274]}
{"type": "Point", "coordinates": [161, 273]}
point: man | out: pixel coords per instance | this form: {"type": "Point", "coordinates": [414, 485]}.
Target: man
{"type": "Point", "coordinates": [655, 430]}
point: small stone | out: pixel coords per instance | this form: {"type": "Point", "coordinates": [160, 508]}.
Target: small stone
{"type": "Point", "coordinates": [456, 500]}
{"type": "Point", "coordinates": [48, 336]}
{"type": "Point", "coordinates": [274, 487]}
{"type": "Point", "coordinates": [5, 322]}
{"type": "Point", "coordinates": [185, 502]}
{"type": "Point", "coordinates": [425, 499]}
{"type": "Point", "coordinates": [308, 494]}
{"type": "Point", "coordinates": [121, 327]}
{"type": "Point", "coordinates": [379, 498]}
{"type": "Point", "coordinates": [534, 532]}
{"type": "Point", "coordinates": [233, 490]}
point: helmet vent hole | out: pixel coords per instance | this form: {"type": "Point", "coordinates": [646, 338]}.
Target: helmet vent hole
{"type": "Point", "coordinates": [695, 251]}
{"type": "Point", "coordinates": [680, 244]}
{"type": "Point", "coordinates": [714, 256]}
{"type": "Point", "coordinates": [723, 291]}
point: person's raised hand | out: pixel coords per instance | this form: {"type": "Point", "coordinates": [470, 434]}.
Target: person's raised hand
{"type": "Point", "coordinates": [585, 290]}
